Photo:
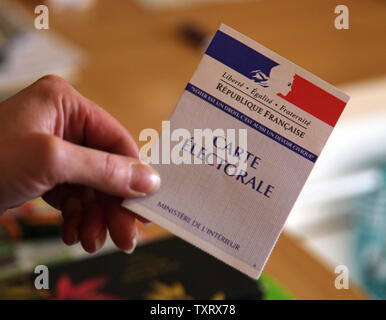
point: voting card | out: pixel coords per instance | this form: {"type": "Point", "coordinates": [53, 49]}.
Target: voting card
{"type": "Point", "coordinates": [267, 120]}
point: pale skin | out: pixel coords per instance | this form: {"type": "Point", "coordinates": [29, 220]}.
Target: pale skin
{"type": "Point", "coordinates": [57, 144]}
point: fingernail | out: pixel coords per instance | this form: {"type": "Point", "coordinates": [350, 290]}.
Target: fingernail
{"type": "Point", "coordinates": [144, 179]}
{"type": "Point", "coordinates": [130, 251]}
{"type": "Point", "coordinates": [98, 244]}
{"type": "Point", "coordinates": [75, 238]}
{"type": "Point", "coordinates": [134, 242]}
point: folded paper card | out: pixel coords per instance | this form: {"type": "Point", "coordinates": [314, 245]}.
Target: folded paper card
{"type": "Point", "coordinates": [236, 212]}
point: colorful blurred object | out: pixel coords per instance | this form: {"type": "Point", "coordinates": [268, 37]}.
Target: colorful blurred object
{"type": "Point", "coordinates": [370, 244]}
{"type": "Point", "coordinates": [165, 269]}
{"type": "Point", "coordinates": [35, 219]}
{"type": "Point", "coordinates": [86, 290]}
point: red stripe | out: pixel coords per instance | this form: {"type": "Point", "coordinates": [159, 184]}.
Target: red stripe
{"type": "Point", "coordinates": [315, 101]}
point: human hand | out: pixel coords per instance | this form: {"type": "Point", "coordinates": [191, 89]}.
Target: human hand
{"type": "Point", "coordinates": [57, 144]}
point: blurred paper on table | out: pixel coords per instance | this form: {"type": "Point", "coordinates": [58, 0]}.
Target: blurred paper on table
{"type": "Point", "coordinates": [344, 190]}
{"type": "Point", "coordinates": [33, 55]}
{"type": "Point", "coordinates": [28, 54]}
{"type": "Point", "coordinates": [354, 148]}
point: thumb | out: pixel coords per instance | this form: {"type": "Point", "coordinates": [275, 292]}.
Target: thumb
{"type": "Point", "coordinates": [112, 174]}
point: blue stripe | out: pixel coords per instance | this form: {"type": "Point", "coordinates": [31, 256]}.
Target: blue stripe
{"type": "Point", "coordinates": [238, 56]}
{"type": "Point", "coordinates": [251, 123]}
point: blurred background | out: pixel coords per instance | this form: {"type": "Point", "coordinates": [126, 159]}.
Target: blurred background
{"type": "Point", "coordinates": [134, 58]}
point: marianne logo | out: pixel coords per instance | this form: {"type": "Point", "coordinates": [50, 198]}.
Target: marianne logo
{"type": "Point", "coordinates": [280, 79]}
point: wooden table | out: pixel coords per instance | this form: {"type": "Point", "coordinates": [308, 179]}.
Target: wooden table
{"type": "Point", "coordinates": [137, 68]}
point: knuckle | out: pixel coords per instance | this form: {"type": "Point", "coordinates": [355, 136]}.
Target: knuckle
{"type": "Point", "coordinates": [110, 167]}
{"type": "Point", "coordinates": [51, 86]}
{"type": "Point", "coordinates": [51, 79]}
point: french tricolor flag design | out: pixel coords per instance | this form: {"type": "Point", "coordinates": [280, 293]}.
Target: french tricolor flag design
{"type": "Point", "coordinates": [302, 93]}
